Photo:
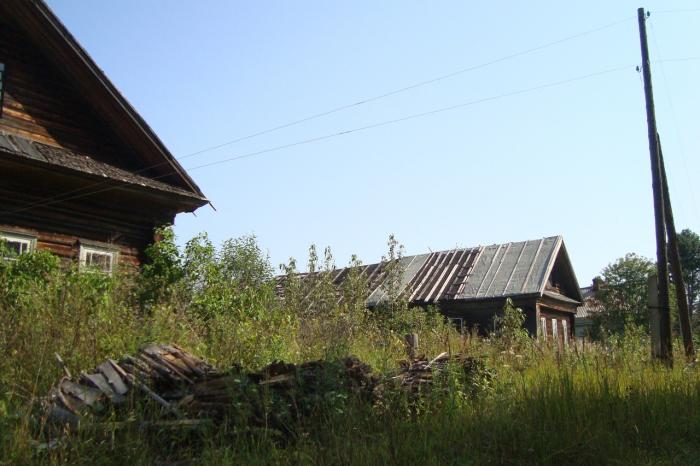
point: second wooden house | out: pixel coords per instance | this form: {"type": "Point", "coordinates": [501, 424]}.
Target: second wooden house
{"type": "Point", "coordinates": [470, 286]}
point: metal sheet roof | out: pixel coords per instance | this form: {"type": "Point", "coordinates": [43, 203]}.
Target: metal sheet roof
{"type": "Point", "coordinates": [511, 269]}
{"type": "Point", "coordinates": [590, 305]}
{"type": "Point", "coordinates": [468, 274]}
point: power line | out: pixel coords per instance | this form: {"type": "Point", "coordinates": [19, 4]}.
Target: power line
{"type": "Point", "coordinates": [363, 101]}
{"type": "Point", "coordinates": [418, 115]}
{"type": "Point", "coordinates": [674, 119]}
{"type": "Point", "coordinates": [350, 131]}
{"type": "Point", "coordinates": [413, 86]}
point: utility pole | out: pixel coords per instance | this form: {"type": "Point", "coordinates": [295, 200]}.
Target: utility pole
{"type": "Point", "coordinates": [676, 268]}
{"type": "Point", "coordinates": [666, 353]}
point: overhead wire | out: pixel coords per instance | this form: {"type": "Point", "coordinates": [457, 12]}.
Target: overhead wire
{"type": "Point", "coordinates": [674, 119]}
{"type": "Point", "coordinates": [346, 132]}
{"type": "Point", "coordinates": [414, 86]}
{"type": "Point", "coordinates": [362, 102]}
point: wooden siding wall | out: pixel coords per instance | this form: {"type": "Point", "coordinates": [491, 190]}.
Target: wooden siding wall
{"type": "Point", "coordinates": [550, 314]}
{"type": "Point", "coordinates": [480, 315]}
{"type": "Point", "coordinates": [42, 105]}
{"type": "Point", "coordinates": [68, 246]}
{"type": "Point", "coordinates": [113, 217]}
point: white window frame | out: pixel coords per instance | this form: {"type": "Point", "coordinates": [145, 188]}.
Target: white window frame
{"type": "Point", "coordinates": [543, 328]}
{"type": "Point", "coordinates": [555, 330]}
{"type": "Point", "coordinates": [565, 329]}
{"type": "Point", "coordinates": [28, 241]}
{"type": "Point", "coordinates": [86, 249]}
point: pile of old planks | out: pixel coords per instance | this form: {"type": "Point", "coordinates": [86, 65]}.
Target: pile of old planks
{"type": "Point", "coordinates": [158, 372]}
{"type": "Point", "coordinates": [185, 389]}
{"type": "Point", "coordinates": [418, 372]}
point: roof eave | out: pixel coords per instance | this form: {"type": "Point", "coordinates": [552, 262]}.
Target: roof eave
{"type": "Point", "coordinates": [188, 202]}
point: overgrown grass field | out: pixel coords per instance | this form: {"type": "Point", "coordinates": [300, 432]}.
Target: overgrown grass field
{"type": "Point", "coordinates": [607, 403]}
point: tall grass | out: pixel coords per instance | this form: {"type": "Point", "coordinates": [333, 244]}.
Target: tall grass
{"type": "Point", "coordinates": [607, 404]}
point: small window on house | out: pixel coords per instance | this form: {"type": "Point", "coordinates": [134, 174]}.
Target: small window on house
{"type": "Point", "coordinates": [2, 85]}
{"type": "Point", "coordinates": [565, 329]}
{"type": "Point", "coordinates": [555, 333]}
{"type": "Point", "coordinates": [96, 258]}
{"type": "Point", "coordinates": [12, 245]}
{"type": "Point", "coordinates": [543, 328]}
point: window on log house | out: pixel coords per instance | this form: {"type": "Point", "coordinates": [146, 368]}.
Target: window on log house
{"type": "Point", "coordinates": [543, 328]}
{"type": "Point", "coordinates": [97, 258]}
{"type": "Point", "coordinates": [12, 245]}
{"type": "Point", "coordinates": [457, 322]}
{"type": "Point", "coordinates": [2, 85]}
{"type": "Point", "coordinates": [555, 333]}
{"type": "Point", "coordinates": [565, 329]}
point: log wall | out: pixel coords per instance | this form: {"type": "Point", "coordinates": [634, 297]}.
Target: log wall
{"type": "Point", "coordinates": [41, 104]}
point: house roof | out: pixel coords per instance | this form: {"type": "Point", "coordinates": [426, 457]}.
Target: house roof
{"type": "Point", "coordinates": [52, 37]}
{"type": "Point", "coordinates": [67, 160]}
{"type": "Point", "coordinates": [473, 274]}
{"type": "Point", "coordinates": [589, 305]}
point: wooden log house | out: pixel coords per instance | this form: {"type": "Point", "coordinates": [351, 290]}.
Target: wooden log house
{"type": "Point", "coordinates": [81, 173]}
{"type": "Point", "coordinates": [470, 285]}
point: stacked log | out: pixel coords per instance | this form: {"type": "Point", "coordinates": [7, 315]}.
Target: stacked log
{"type": "Point", "coordinates": [187, 389]}
{"type": "Point", "coordinates": [417, 374]}
{"type": "Point", "coordinates": [159, 372]}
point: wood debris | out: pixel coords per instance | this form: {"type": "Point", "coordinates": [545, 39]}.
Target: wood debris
{"type": "Point", "coordinates": [188, 391]}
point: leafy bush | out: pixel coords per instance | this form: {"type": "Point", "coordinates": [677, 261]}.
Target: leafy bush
{"type": "Point", "coordinates": [508, 325]}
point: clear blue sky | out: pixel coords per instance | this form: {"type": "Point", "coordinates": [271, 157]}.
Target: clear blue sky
{"type": "Point", "coordinates": [570, 160]}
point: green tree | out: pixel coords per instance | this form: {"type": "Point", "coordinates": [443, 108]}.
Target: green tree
{"type": "Point", "coordinates": [393, 272]}
{"type": "Point", "coordinates": [162, 270]}
{"type": "Point", "coordinates": [508, 325]}
{"type": "Point", "coordinates": [689, 247]}
{"type": "Point", "coordinates": [624, 293]}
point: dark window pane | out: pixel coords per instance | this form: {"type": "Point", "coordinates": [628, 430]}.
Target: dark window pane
{"type": "Point", "coordinates": [99, 260]}
{"type": "Point", "coordinates": [12, 248]}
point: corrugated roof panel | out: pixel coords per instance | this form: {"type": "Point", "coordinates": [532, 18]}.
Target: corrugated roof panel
{"type": "Point", "coordinates": [510, 269]}
{"type": "Point", "coordinates": [411, 265]}
{"type": "Point", "coordinates": [494, 271]}
{"type": "Point", "coordinates": [480, 272]}
{"type": "Point", "coordinates": [469, 273]}
{"type": "Point", "coordinates": [463, 273]}
{"type": "Point", "coordinates": [541, 263]}
{"type": "Point", "coordinates": [523, 267]}
{"type": "Point", "coordinates": [509, 263]}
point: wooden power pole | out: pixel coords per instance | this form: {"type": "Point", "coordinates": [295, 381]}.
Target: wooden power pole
{"type": "Point", "coordinates": [666, 347]}
{"type": "Point", "coordinates": [676, 268]}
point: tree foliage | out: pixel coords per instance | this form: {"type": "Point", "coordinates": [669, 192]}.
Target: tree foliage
{"type": "Point", "coordinates": [624, 293]}
{"type": "Point", "coordinates": [509, 325]}
{"type": "Point", "coordinates": [689, 247]}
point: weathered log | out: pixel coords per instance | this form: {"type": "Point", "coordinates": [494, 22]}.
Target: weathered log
{"type": "Point", "coordinates": [191, 389]}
